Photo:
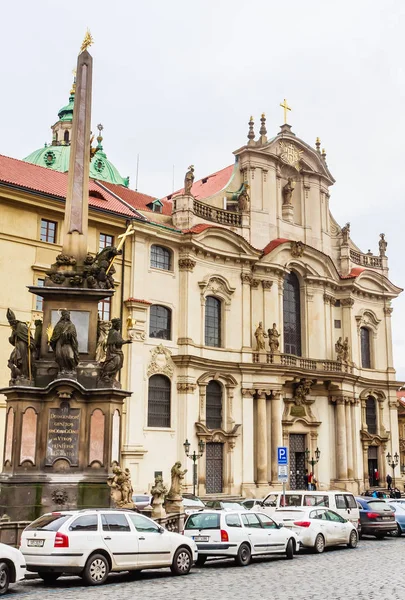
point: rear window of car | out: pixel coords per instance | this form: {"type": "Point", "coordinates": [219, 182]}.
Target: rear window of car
{"type": "Point", "coordinates": [48, 522]}
{"type": "Point", "coordinates": [248, 503]}
{"type": "Point", "coordinates": [378, 505]}
{"type": "Point", "coordinates": [313, 500]}
{"type": "Point", "coordinates": [203, 521]}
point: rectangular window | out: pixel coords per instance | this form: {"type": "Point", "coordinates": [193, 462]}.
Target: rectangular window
{"type": "Point", "coordinates": [115, 522]}
{"type": "Point", "coordinates": [340, 501]}
{"type": "Point", "coordinates": [104, 309]}
{"type": "Point", "coordinates": [338, 324]}
{"type": "Point", "coordinates": [105, 241]}
{"type": "Point", "coordinates": [39, 302]}
{"type": "Point", "coordinates": [85, 523]}
{"type": "Point", "coordinates": [48, 231]}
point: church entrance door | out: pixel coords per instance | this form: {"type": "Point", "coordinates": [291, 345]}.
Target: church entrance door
{"type": "Point", "coordinates": [373, 474]}
{"type": "Point", "coordinates": [214, 467]}
{"type": "Point", "coordinates": [297, 461]}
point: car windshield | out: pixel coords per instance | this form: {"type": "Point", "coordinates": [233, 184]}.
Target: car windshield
{"type": "Point", "coordinates": [378, 505]}
{"type": "Point", "coordinates": [203, 521]}
{"type": "Point", "coordinates": [48, 522]}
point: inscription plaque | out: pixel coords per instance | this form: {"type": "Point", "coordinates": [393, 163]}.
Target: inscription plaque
{"type": "Point", "coordinates": [63, 434]}
{"type": "Point", "coordinates": [298, 411]}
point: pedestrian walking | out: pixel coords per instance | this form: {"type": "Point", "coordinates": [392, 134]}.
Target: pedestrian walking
{"type": "Point", "coordinates": [306, 481]}
{"type": "Point", "coordinates": [389, 482]}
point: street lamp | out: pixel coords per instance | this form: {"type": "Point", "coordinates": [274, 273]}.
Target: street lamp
{"type": "Point", "coordinates": [194, 457]}
{"type": "Point", "coordinates": [393, 462]}
{"type": "Point", "coordinates": [312, 461]}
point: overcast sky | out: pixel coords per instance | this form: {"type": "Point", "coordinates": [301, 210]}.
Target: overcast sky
{"type": "Point", "coordinates": [176, 82]}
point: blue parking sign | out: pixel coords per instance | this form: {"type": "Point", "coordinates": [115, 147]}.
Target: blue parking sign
{"type": "Point", "coordinates": [282, 455]}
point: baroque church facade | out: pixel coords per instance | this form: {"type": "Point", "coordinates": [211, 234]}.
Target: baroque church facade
{"type": "Point", "coordinates": [256, 321]}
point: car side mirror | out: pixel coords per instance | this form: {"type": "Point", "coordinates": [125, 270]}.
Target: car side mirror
{"type": "Point", "coordinates": [280, 525]}
{"type": "Point", "coordinates": [161, 530]}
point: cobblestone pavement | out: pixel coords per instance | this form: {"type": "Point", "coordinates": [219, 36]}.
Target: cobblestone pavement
{"type": "Point", "coordinates": [372, 571]}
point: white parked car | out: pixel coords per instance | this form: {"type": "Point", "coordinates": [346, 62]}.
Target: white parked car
{"type": "Point", "coordinates": [318, 528]}
{"type": "Point", "coordinates": [239, 534]}
{"type": "Point", "coordinates": [91, 543]}
{"type": "Point", "coordinates": [12, 567]}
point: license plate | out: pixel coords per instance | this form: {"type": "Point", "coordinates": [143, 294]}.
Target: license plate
{"type": "Point", "coordinates": [35, 543]}
{"type": "Point", "coordinates": [201, 538]}
{"type": "Point", "coordinates": [387, 519]}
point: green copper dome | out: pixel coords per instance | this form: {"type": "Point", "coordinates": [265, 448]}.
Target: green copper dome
{"type": "Point", "coordinates": [56, 156]}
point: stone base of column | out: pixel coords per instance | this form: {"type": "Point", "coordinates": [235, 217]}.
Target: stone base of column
{"type": "Point", "coordinates": [343, 484]}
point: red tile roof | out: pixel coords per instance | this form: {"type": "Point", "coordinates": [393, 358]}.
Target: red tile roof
{"type": "Point", "coordinates": [137, 300]}
{"type": "Point", "coordinates": [46, 181]}
{"type": "Point", "coordinates": [136, 199]}
{"type": "Point", "coordinates": [355, 272]}
{"type": "Point", "coordinates": [273, 244]}
{"type": "Point", "coordinates": [207, 186]}
{"type": "Point", "coordinates": [202, 227]}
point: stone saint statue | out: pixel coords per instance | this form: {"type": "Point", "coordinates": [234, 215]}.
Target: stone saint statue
{"type": "Point", "coordinates": [244, 199]}
{"type": "Point", "coordinates": [176, 483]}
{"type": "Point", "coordinates": [260, 335]}
{"type": "Point", "coordinates": [339, 350]}
{"type": "Point", "coordinates": [288, 190]}
{"type": "Point", "coordinates": [103, 327]}
{"type": "Point", "coordinates": [18, 362]}
{"type": "Point", "coordinates": [273, 339]}
{"type": "Point", "coordinates": [158, 492]}
{"type": "Point", "coordinates": [346, 233]}
{"type": "Point", "coordinates": [346, 350]}
{"type": "Point", "coordinates": [189, 180]}
{"type": "Point", "coordinates": [64, 344]}
{"type": "Point", "coordinates": [121, 488]}
{"type": "Point", "coordinates": [382, 244]}
{"type": "Point", "coordinates": [114, 355]}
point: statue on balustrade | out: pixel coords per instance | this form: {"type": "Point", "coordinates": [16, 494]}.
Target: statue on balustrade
{"type": "Point", "coordinates": [158, 492]}
{"type": "Point", "coordinates": [346, 350]}
{"type": "Point", "coordinates": [339, 350]}
{"type": "Point", "coordinates": [288, 190]}
{"type": "Point", "coordinates": [65, 345]}
{"type": "Point", "coordinates": [189, 180]}
{"type": "Point", "coordinates": [273, 339]}
{"type": "Point", "coordinates": [244, 199]}
{"type": "Point", "coordinates": [177, 482]}
{"type": "Point", "coordinates": [24, 346]}
{"type": "Point", "coordinates": [346, 233]}
{"type": "Point", "coordinates": [114, 355]}
{"type": "Point", "coordinates": [121, 487]}
{"type": "Point", "coordinates": [382, 244]}
{"type": "Point", "coordinates": [260, 335]}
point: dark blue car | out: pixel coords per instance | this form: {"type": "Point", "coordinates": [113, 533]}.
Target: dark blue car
{"type": "Point", "coordinates": [399, 510]}
{"type": "Point", "coordinates": [376, 517]}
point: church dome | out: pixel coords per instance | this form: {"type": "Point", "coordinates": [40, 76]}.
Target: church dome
{"type": "Point", "coordinates": [56, 155]}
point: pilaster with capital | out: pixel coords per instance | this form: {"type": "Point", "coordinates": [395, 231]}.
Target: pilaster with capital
{"type": "Point", "coordinates": [388, 336]}
{"type": "Point", "coordinates": [349, 439]}
{"type": "Point", "coordinates": [341, 449]}
{"type": "Point", "coordinates": [246, 278]}
{"type": "Point", "coordinates": [261, 438]}
{"type": "Point", "coordinates": [276, 433]}
{"type": "Point", "coordinates": [347, 329]}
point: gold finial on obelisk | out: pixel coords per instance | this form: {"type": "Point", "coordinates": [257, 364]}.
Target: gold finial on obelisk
{"type": "Point", "coordinates": [88, 41]}
{"type": "Point", "coordinates": [286, 107]}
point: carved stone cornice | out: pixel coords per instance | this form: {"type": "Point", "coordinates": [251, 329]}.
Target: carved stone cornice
{"type": "Point", "coordinates": [246, 278]}
{"type": "Point", "coordinates": [329, 299]}
{"type": "Point", "coordinates": [186, 388]}
{"type": "Point", "coordinates": [266, 284]}
{"type": "Point", "coordinates": [248, 392]}
{"type": "Point", "coordinates": [255, 283]}
{"type": "Point", "coordinates": [218, 435]}
{"type": "Point", "coordinates": [186, 264]}
{"type": "Point", "coordinates": [347, 302]}
{"type": "Point", "coordinates": [372, 439]}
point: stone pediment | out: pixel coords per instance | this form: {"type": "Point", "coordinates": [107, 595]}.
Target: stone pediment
{"type": "Point", "coordinates": [373, 439]}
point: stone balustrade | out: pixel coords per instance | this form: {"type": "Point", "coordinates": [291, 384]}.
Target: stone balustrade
{"type": "Point", "coordinates": [217, 215]}
{"type": "Point", "coordinates": [308, 364]}
{"type": "Point", "coordinates": [366, 260]}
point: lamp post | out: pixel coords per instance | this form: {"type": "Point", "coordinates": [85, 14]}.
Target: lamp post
{"type": "Point", "coordinates": [194, 457]}
{"type": "Point", "coordinates": [393, 462]}
{"type": "Point", "coordinates": [312, 461]}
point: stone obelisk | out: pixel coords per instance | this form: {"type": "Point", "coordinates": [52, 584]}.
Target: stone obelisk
{"type": "Point", "coordinates": [77, 199]}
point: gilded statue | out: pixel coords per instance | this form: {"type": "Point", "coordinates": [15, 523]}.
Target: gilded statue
{"type": "Point", "coordinates": [176, 483]}
{"type": "Point", "coordinates": [189, 180]}
{"type": "Point", "coordinates": [121, 487]}
{"type": "Point", "coordinates": [158, 492]}
{"type": "Point", "coordinates": [103, 327]}
{"type": "Point", "coordinates": [273, 335]}
{"type": "Point", "coordinates": [260, 335]}
{"type": "Point", "coordinates": [88, 41]}
{"type": "Point", "coordinates": [382, 244]}
{"type": "Point", "coordinates": [288, 190]}
{"type": "Point", "coordinates": [24, 348]}
{"type": "Point", "coordinates": [114, 355]}
{"type": "Point", "coordinates": [339, 350]}
{"type": "Point", "coordinates": [244, 199]}
{"type": "Point", "coordinates": [346, 350]}
{"type": "Point", "coordinates": [65, 345]}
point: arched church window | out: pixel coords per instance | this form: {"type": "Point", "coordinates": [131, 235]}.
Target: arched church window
{"type": "Point", "coordinates": [371, 414]}
{"type": "Point", "coordinates": [292, 315]}
{"type": "Point", "coordinates": [159, 401]}
{"type": "Point", "coordinates": [365, 348]}
{"type": "Point", "coordinates": [66, 137]}
{"type": "Point", "coordinates": [212, 322]}
{"type": "Point", "coordinates": [214, 405]}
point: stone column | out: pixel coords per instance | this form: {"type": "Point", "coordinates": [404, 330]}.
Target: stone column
{"type": "Point", "coordinates": [341, 452]}
{"type": "Point", "coordinates": [186, 266]}
{"type": "Point", "coordinates": [365, 466]}
{"type": "Point", "coordinates": [246, 312]}
{"type": "Point", "coordinates": [261, 438]}
{"type": "Point", "coordinates": [276, 433]}
{"type": "Point", "coordinates": [202, 399]}
{"type": "Point", "coordinates": [388, 336]}
{"type": "Point", "coordinates": [349, 439]}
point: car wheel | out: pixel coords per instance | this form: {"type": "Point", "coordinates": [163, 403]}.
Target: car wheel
{"type": "Point", "coordinates": [353, 539]}
{"type": "Point", "coordinates": [244, 555]}
{"type": "Point", "coordinates": [96, 570]}
{"type": "Point", "coordinates": [4, 578]}
{"type": "Point", "coordinates": [289, 551]}
{"type": "Point", "coordinates": [200, 562]}
{"type": "Point", "coordinates": [49, 577]}
{"type": "Point", "coordinates": [397, 532]}
{"type": "Point", "coordinates": [319, 546]}
{"type": "Point", "coordinates": [182, 560]}
{"type": "Point", "coordinates": [380, 536]}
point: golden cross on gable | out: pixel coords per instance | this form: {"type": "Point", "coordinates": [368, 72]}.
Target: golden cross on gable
{"type": "Point", "coordinates": [286, 107]}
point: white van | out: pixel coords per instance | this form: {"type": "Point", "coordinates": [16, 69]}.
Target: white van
{"type": "Point", "coordinates": [344, 503]}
